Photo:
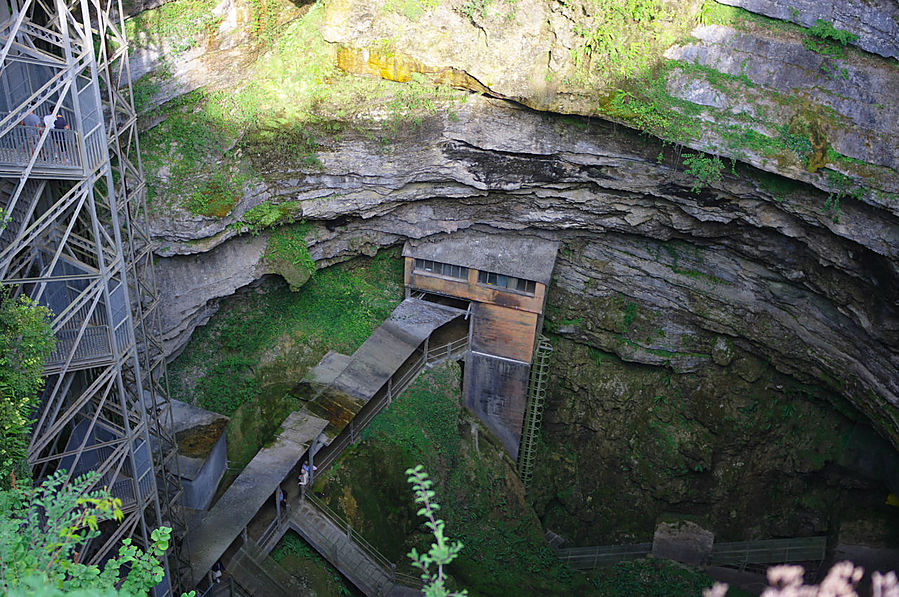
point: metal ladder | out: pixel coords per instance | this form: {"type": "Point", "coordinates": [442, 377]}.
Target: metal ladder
{"type": "Point", "coordinates": [533, 416]}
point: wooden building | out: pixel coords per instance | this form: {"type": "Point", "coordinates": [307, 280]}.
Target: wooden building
{"type": "Point", "coordinates": [501, 279]}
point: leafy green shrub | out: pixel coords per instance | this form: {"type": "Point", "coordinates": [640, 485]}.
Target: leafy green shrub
{"type": "Point", "coordinates": [707, 170]}
{"type": "Point", "coordinates": [265, 215]}
{"type": "Point", "coordinates": [42, 529]}
{"type": "Point", "coordinates": [26, 340]}
{"type": "Point", "coordinates": [443, 551]}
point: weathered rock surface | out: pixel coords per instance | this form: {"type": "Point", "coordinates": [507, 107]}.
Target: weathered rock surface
{"type": "Point", "coordinates": [775, 83]}
{"type": "Point", "coordinates": [780, 278]}
{"type": "Point", "coordinates": [875, 22]}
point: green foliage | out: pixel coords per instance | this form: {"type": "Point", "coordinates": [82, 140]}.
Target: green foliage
{"type": "Point", "coordinates": [840, 187]}
{"type": "Point", "coordinates": [649, 578]}
{"type": "Point", "coordinates": [443, 551]}
{"type": "Point", "coordinates": [474, 9]}
{"type": "Point", "coordinates": [181, 23]}
{"type": "Point", "coordinates": [422, 420]}
{"type": "Point", "coordinates": [707, 170]}
{"type": "Point", "coordinates": [263, 216]}
{"type": "Point", "coordinates": [26, 340]}
{"type": "Point", "coordinates": [621, 39]}
{"type": "Point", "coordinates": [216, 197]}
{"type": "Point", "coordinates": [295, 145]}
{"type": "Point", "coordinates": [42, 530]}
{"type": "Point", "coordinates": [646, 104]}
{"type": "Point", "coordinates": [411, 9]}
{"type": "Point", "coordinates": [826, 39]}
{"type": "Point", "coordinates": [337, 309]}
{"type": "Point", "coordinates": [417, 98]}
{"type": "Point", "coordinates": [288, 243]}
{"type": "Point", "coordinates": [264, 20]}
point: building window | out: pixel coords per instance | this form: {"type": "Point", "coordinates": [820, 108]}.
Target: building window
{"type": "Point", "coordinates": [526, 286]}
{"type": "Point", "coordinates": [441, 269]}
{"type": "Point", "coordinates": [508, 282]}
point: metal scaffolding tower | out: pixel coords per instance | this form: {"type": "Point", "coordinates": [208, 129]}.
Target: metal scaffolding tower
{"type": "Point", "coordinates": [73, 236]}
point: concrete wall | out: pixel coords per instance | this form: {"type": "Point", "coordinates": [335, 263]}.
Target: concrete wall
{"type": "Point", "coordinates": [198, 491]}
{"type": "Point", "coordinates": [496, 391]}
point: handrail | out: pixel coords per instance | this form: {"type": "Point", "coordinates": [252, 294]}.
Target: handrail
{"type": "Point", "coordinates": [379, 559]}
{"type": "Point", "coordinates": [61, 149]}
{"type": "Point", "coordinates": [271, 529]}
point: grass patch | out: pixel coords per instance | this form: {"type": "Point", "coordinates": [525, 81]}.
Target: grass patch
{"type": "Point", "coordinates": [650, 578]}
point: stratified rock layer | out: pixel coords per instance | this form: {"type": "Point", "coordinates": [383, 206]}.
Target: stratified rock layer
{"type": "Point", "coordinates": [779, 278]}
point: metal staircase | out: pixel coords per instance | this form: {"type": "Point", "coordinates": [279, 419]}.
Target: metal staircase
{"type": "Point", "coordinates": [533, 416]}
{"type": "Point", "coordinates": [74, 238]}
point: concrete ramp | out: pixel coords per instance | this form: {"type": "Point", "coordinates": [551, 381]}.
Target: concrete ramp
{"type": "Point", "coordinates": [220, 526]}
{"type": "Point", "coordinates": [261, 576]}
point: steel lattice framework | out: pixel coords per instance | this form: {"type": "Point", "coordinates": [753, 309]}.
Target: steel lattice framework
{"type": "Point", "coordinates": [74, 238]}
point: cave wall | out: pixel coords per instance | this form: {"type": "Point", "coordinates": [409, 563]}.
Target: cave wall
{"type": "Point", "coordinates": [687, 314]}
{"type": "Point", "coordinates": [777, 277]}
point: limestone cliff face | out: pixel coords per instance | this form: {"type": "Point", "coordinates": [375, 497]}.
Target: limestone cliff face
{"type": "Point", "coordinates": [777, 277]}
{"type": "Point", "coordinates": [748, 274]}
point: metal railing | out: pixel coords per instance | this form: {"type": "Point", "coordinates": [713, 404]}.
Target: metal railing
{"type": "Point", "coordinates": [61, 148]}
{"type": "Point", "coordinates": [277, 524]}
{"type": "Point", "coordinates": [769, 551]}
{"type": "Point", "coordinates": [388, 567]}
{"type": "Point", "coordinates": [588, 558]}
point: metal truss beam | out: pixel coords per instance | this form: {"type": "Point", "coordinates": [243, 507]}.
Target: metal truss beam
{"type": "Point", "coordinates": [78, 242]}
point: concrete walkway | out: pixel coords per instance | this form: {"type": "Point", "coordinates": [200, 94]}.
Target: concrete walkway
{"type": "Point", "coordinates": [261, 576]}
{"type": "Point", "coordinates": [220, 526]}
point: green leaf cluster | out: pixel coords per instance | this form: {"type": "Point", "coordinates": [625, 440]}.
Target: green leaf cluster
{"type": "Point", "coordinates": [826, 39]}
{"type": "Point", "coordinates": [619, 41]}
{"type": "Point", "coordinates": [43, 529]}
{"type": "Point", "coordinates": [26, 339]}
{"type": "Point", "coordinates": [706, 169]}
{"type": "Point", "coordinates": [443, 551]}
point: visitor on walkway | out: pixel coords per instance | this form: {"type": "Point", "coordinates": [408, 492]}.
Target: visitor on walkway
{"type": "Point", "coordinates": [33, 133]}
{"type": "Point", "coordinates": [31, 119]}
{"type": "Point", "coordinates": [282, 499]}
{"type": "Point", "coordinates": [217, 570]}
{"type": "Point", "coordinates": [61, 124]}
